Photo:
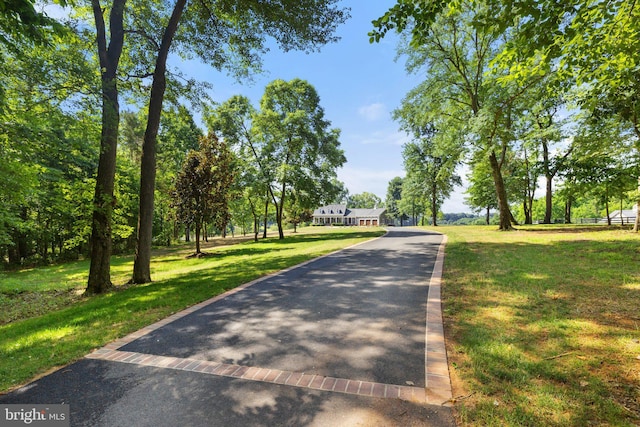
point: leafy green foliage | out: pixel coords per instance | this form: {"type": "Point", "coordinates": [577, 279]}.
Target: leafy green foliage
{"type": "Point", "coordinates": [20, 21]}
{"type": "Point", "coordinates": [364, 200]}
{"type": "Point", "coordinates": [201, 192]}
{"type": "Point", "coordinates": [393, 197]}
{"type": "Point", "coordinates": [299, 152]}
{"type": "Point", "coordinates": [431, 175]}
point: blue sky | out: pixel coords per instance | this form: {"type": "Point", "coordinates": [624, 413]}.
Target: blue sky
{"type": "Point", "coordinates": [359, 84]}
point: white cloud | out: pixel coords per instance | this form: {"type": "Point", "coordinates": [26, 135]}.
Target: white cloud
{"type": "Point", "coordinates": [373, 112]}
{"type": "Point", "coordinates": [383, 137]}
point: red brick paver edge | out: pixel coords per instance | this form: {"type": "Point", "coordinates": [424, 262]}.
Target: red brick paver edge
{"type": "Point", "coordinates": [437, 381]}
{"type": "Point", "coordinates": [274, 376]}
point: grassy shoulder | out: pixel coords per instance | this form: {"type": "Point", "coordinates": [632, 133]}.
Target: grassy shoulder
{"type": "Point", "coordinates": [54, 331]}
{"type": "Point", "coordinates": [543, 325]}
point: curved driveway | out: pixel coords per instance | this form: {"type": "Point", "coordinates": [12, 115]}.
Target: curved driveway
{"type": "Point", "coordinates": [352, 322]}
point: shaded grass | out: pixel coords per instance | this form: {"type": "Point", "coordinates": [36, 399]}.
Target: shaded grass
{"type": "Point", "coordinates": [543, 325]}
{"type": "Point", "coordinates": [55, 337]}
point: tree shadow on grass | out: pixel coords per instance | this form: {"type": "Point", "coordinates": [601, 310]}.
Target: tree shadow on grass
{"type": "Point", "coordinates": [546, 330]}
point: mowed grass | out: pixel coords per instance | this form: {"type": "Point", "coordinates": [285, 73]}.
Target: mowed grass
{"type": "Point", "coordinates": [543, 325]}
{"type": "Point", "coordinates": [48, 331]}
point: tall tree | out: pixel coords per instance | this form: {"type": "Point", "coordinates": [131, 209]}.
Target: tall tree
{"type": "Point", "coordinates": [300, 148]}
{"type": "Point", "coordinates": [364, 200]}
{"type": "Point", "coordinates": [433, 169]}
{"type": "Point", "coordinates": [109, 57]}
{"type": "Point", "coordinates": [226, 35]}
{"type": "Point", "coordinates": [142, 260]}
{"type": "Point", "coordinates": [543, 132]}
{"type": "Point", "coordinates": [394, 195]}
{"type": "Point", "coordinates": [233, 120]}
{"type": "Point", "coordinates": [431, 158]}
{"type": "Point", "coordinates": [481, 195]}
{"type": "Point", "coordinates": [202, 187]}
{"type": "Point", "coordinates": [413, 199]}
{"type": "Point", "coordinates": [456, 47]}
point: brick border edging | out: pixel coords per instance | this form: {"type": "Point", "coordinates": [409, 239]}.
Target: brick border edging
{"type": "Point", "coordinates": [437, 380]}
{"type": "Point", "coordinates": [273, 376]}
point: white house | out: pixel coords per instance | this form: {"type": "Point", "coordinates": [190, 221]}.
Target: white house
{"type": "Point", "coordinates": [341, 214]}
{"type": "Point", "coordinates": [627, 216]}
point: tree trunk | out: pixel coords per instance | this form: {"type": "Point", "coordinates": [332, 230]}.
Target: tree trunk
{"type": "Point", "coordinates": [198, 238]}
{"type": "Point", "coordinates": [256, 225]}
{"type": "Point", "coordinates": [434, 206]}
{"type": "Point", "coordinates": [279, 221]}
{"type": "Point", "coordinates": [280, 211]}
{"type": "Point", "coordinates": [488, 217]}
{"type": "Point", "coordinates": [567, 210]}
{"type": "Point", "coordinates": [142, 262]}
{"type": "Point", "coordinates": [103, 201]}
{"type": "Point", "coordinates": [256, 220]}
{"type": "Point", "coordinates": [527, 203]}
{"type": "Point", "coordinates": [266, 214]}
{"type": "Point", "coordinates": [548, 199]}
{"type": "Point", "coordinates": [528, 215]}
{"type": "Point", "coordinates": [636, 224]}
{"type": "Point", "coordinates": [501, 193]}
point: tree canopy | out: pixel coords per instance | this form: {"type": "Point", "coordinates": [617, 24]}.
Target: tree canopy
{"type": "Point", "coordinates": [491, 57]}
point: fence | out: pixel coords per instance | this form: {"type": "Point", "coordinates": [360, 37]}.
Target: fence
{"type": "Point", "coordinates": [625, 220]}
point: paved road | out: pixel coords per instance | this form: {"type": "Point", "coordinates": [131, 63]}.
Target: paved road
{"type": "Point", "coordinates": [320, 345]}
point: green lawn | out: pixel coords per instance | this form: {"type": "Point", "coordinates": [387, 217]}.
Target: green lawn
{"type": "Point", "coordinates": [543, 325]}
{"type": "Point", "coordinates": [53, 325]}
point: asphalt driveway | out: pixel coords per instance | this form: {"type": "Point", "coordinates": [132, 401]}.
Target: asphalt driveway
{"type": "Point", "coordinates": [337, 341]}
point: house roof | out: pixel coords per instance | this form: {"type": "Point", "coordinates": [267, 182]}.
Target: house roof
{"type": "Point", "coordinates": [331, 210]}
{"type": "Point", "coordinates": [343, 210]}
{"type": "Point", "coordinates": [356, 213]}
{"type": "Point", "coordinates": [627, 213]}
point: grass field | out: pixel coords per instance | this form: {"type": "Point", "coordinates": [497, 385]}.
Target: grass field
{"type": "Point", "coordinates": [543, 325]}
{"type": "Point", "coordinates": [50, 324]}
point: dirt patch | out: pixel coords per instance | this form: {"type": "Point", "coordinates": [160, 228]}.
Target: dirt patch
{"type": "Point", "coordinates": [23, 305]}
